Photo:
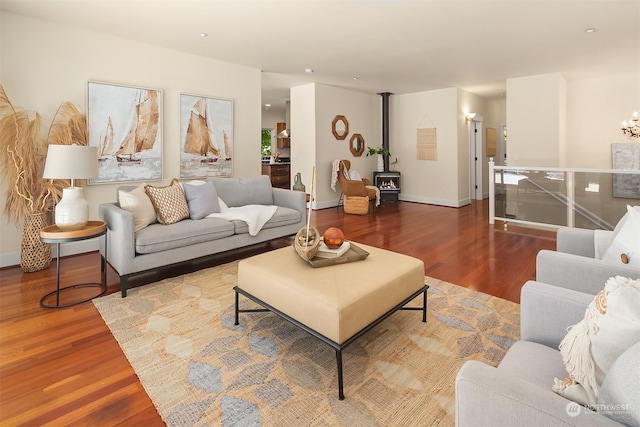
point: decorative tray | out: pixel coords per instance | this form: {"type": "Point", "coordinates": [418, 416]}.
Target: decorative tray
{"type": "Point", "coordinates": [355, 253]}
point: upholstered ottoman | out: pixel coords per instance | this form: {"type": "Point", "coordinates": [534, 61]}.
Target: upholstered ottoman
{"type": "Point", "coordinates": [336, 303]}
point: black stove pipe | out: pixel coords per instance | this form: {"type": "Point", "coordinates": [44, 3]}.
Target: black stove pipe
{"type": "Point", "coordinates": [385, 126]}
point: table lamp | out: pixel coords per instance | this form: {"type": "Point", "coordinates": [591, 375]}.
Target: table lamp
{"type": "Point", "coordinates": [71, 162]}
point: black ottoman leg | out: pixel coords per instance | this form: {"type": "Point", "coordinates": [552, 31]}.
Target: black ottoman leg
{"type": "Point", "coordinates": [340, 385]}
{"type": "Point", "coordinates": [237, 308]}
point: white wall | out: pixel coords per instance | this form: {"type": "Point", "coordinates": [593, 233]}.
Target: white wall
{"type": "Point", "coordinates": [596, 109]}
{"type": "Point", "coordinates": [536, 113]}
{"type": "Point", "coordinates": [363, 112]}
{"type": "Point", "coordinates": [270, 118]}
{"type": "Point", "coordinates": [428, 181]}
{"type": "Point", "coordinates": [44, 64]}
{"type": "Point", "coordinates": [303, 133]}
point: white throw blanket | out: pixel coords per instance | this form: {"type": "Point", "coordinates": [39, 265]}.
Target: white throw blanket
{"type": "Point", "coordinates": [377, 190]}
{"type": "Point", "coordinates": [254, 215]}
{"type": "Point", "coordinates": [334, 174]}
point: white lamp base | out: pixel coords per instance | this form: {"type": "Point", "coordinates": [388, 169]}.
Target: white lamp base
{"type": "Point", "coordinates": [72, 212]}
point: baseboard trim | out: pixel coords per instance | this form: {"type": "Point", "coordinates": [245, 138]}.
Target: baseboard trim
{"type": "Point", "coordinates": [432, 201]}
{"type": "Point", "coordinates": [13, 259]}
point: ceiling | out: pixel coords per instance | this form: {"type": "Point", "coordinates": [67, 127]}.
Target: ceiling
{"type": "Point", "coordinates": [396, 46]}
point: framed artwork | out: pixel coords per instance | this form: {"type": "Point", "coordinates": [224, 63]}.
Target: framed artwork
{"type": "Point", "coordinates": [125, 123]}
{"type": "Point", "coordinates": [206, 137]}
{"type": "Point", "coordinates": [626, 156]}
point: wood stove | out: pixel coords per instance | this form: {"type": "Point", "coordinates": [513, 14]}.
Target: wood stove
{"type": "Point", "coordinates": [389, 185]}
{"type": "Point", "coordinates": [387, 181]}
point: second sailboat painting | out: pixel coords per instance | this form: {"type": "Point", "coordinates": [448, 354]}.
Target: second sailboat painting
{"type": "Point", "coordinates": [206, 137]}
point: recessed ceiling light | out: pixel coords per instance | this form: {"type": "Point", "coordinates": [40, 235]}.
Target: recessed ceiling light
{"type": "Point", "coordinates": [354, 78]}
{"type": "Point", "coordinates": [308, 70]}
{"type": "Point", "coordinates": [204, 35]}
{"type": "Point", "coordinates": [267, 105]}
{"type": "Point", "coordinates": [590, 30]}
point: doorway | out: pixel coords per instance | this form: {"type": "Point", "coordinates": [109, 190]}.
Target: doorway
{"type": "Point", "coordinates": [476, 158]}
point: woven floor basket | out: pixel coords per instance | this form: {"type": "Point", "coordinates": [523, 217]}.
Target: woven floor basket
{"type": "Point", "coordinates": [34, 255]}
{"type": "Point", "coordinates": [307, 249]}
{"type": "Point", "coordinates": [358, 205]}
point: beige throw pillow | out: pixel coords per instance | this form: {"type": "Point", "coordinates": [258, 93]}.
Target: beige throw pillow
{"type": "Point", "coordinates": [169, 202]}
{"type": "Point", "coordinates": [138, 203]}
{"type": "Point", "coordinates": [610, 326]}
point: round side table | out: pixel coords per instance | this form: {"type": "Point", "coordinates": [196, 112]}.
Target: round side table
{"type": "Point", "coordinates": [52, 234]}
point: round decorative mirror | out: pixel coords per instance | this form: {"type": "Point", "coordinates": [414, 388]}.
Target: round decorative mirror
{"type": "Point", "coordinates": [356, 145]}
{"type": "Point", "coordinates": [340, 127]}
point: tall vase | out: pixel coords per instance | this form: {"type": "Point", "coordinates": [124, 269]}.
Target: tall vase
{"type": "Point", "coordinates": [297, 183]}
{"type": "Point", "coordinates": [380, 163]}
{"type": "Point", "coordinates": [34, 255]}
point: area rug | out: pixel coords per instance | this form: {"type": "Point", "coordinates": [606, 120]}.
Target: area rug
{"type": "Point", "coordinates": [200, 370]}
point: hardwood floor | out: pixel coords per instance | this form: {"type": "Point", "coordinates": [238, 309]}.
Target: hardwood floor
{"type": "Point", "coordinates": [63, 367]}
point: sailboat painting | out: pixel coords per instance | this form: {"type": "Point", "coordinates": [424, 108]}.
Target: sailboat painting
{"type": "Point", "coordinates": [206, 137]}
{"type": "Point", "coordinates": [125, 123]}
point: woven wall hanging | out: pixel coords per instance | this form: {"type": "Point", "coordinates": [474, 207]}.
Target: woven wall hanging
{"type": "Point", "coordinates": [427, 144]}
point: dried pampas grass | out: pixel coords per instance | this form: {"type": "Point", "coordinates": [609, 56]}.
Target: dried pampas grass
{"type": "Point", "coordinates": [69, 126]}
{"type": "Point", "coordinates": [23, 153]}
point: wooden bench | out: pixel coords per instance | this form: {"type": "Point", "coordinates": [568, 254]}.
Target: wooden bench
{"type": "Point", "coordinates": [338, 303]}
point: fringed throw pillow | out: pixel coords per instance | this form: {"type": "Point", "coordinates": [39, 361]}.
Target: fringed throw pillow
{"type": "Point", "coordinates": [610, 326]}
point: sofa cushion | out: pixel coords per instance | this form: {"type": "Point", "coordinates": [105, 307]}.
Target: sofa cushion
{"type": "Point", "coordinates": [139, 204]}
{"type": "Point", "coordinates": [169, 202]}
{"type": "Point", "coordinates": [282, 216]}
{"type": "Point", "coordinates": [626, 241]}
{"type": "Point", "coordinates": [535, 363]}
{"type": "Point", "coordinates": [157, 238]}
{"type": "Point", "coordinates": [619, 397]}
{"type": "Point", "coordinates": [610, 326]}
{"type": "Point", "coordinates": [254, 190]}
{"type": "Point", "coordinates": [201, 199]}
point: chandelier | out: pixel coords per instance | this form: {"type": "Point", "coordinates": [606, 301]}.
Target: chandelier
{"type": "Point", "coordinates": [631, 129]}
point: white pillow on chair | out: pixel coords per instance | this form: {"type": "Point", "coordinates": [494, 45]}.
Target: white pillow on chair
{"type": "Point", "coordinates": [354, 175]}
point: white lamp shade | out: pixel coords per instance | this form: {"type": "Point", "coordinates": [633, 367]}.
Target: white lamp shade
{"type": "Point", "coordinates": [71, 162]}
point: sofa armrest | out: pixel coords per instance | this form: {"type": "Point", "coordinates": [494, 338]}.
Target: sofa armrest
{"type": "Point", "coordinates": [291, 199]}
{"type": "Point", "coordinates": [577, 272]}
{"type": "Point", "coordinates": [485, 396]}
{"type": "Point", "coordinates": [577, 241]}
{"type": "Point", "coordinates": [546, 311]}
{"type": "Point", "coordinates": [121, 237]}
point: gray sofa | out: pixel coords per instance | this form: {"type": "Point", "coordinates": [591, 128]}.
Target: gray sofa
{"type": "Point", "coordinates": [158, 245]}
{"type": "Point", "coordinates": [518, 391]}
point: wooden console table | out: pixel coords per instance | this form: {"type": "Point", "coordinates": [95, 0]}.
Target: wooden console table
{"type": "Point", "coordinates": [52, 234]}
